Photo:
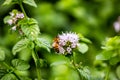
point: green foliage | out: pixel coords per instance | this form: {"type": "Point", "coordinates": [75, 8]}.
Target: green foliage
{"type": "Point", "coordinates": [92, 18]}
{"type": "Point", "coordinates": [111, 51]}
{"type": "Point", "coordinates": [9, 76]}
{"type": "Point", "coordinates": [30, 28]}
{"type": "Point", "coordinates": [2, 72]}
{"type": "Point", "coordinates": [20, 45]}
{"type": "Point", "coordinates": [2, 55]}
{"type": "Point", "coordinates": [112, 43]}
{"type": "Point", "coordinates": [20, 64]}
{"type": "Point", "coordinates": [30, 2]}
{"type": "Point", "coordinates": [62, 69]}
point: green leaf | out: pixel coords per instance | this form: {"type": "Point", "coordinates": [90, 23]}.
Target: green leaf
{"type": "Point", "coordinates": [2, 55]}
{"type": "Point", "coordinates": [85, 73]}
{"type": "Point", "coordinates": [82, 47]}
{"type": "Point", "coordinates": [30, 2]}
{"type": "Point", "coordinates": [20, 64]}
{"type": "Point", "coordinates": [85, 40]}
{"type": "Point", "coordinates": [7, 2]}
{"type": "Point", "coordinates": [2, 72]}
{"type": "Point", "coordinates": [9, 77]}
{"type": "Point", "coordinates": [41, 42]}
{"type": "Point", "coordinates": [31, 31]}
{"type": "Point", "coordinates": [30, 28]}
{"type": "Point", "coordinates": [20, 45]}
{"type": "Point", "coordinates": [6, 19]}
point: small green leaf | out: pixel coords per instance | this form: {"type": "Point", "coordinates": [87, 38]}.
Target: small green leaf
{"type": "Point", "coordinates": [30, 28]}
{"type": "Point", "coordinates": [6, 19]}
{"type": "Point", "coordinates": [41, 42]}
{"type": "Point", "coordinates": [9, 77]}
{"type": "Point", "coordinates": [20, 64]}
{"type": "Point", "coordinates": [22, 44]}
{"type": "Point", "coordinates": [7, 2]}
{"type": "Point", "coordinates": [2, 55]}
{"type": "Point", "coordinates": [30, 2]}
{"type": "Point", "coordinates": [85, 40]}
{"type": "Point", "coordinates": [83, 48]}
{"type": "Point", "coordinates": [85, 73]}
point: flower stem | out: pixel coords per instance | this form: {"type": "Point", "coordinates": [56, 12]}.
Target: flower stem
{"type": "Point", "coordinates": [21, 6]}
{"type": "Point", "coordinates": [37, 63]}
{"type": "Point", "coordinates": [74, 64]}
{"type": "Point", "coordinates": [107, 75]}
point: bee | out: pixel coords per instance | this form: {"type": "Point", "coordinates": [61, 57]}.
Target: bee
{"type": "Point", "coordinates": [55, 44]}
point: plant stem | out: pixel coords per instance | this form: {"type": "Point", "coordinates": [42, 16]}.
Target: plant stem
{"type": "Point", "coordinates": [37, 63]}
{"type": "Point", "coordinates": [74, 64]}
{"type": "Point", "coordinates": [107, 75]}
{"type": "Point", "coordinates": [21, 6]}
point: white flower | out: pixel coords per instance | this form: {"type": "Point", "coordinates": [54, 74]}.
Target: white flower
{"type": "Point", "coordinates": [12, 14]}
{"type": "Point", "coordinates": [71, 38]}
{"type": "Point", "coordinates": [10, 22]}
{"type": "Point", "coordinates": [20, 15]}
{"type": "Point", "coordinates": [13, 28]}
{"type": "Point", "coordinates": [69, 49]}
{"type": "Point", "coordinates": [14, 20]}
{"type": "Point", "coordinates": [61, 50]}
{"type": "Point", "coordinates": [15, 17]}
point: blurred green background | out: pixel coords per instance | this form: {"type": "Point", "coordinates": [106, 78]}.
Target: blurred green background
{"type": "Point", "coordinates": [92, 18]}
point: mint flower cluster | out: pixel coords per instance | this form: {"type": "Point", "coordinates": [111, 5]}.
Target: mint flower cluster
{"type": "Point", "coordinates": [13, 18]}
{"type": "Point", "coordinates": [66, 42]}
